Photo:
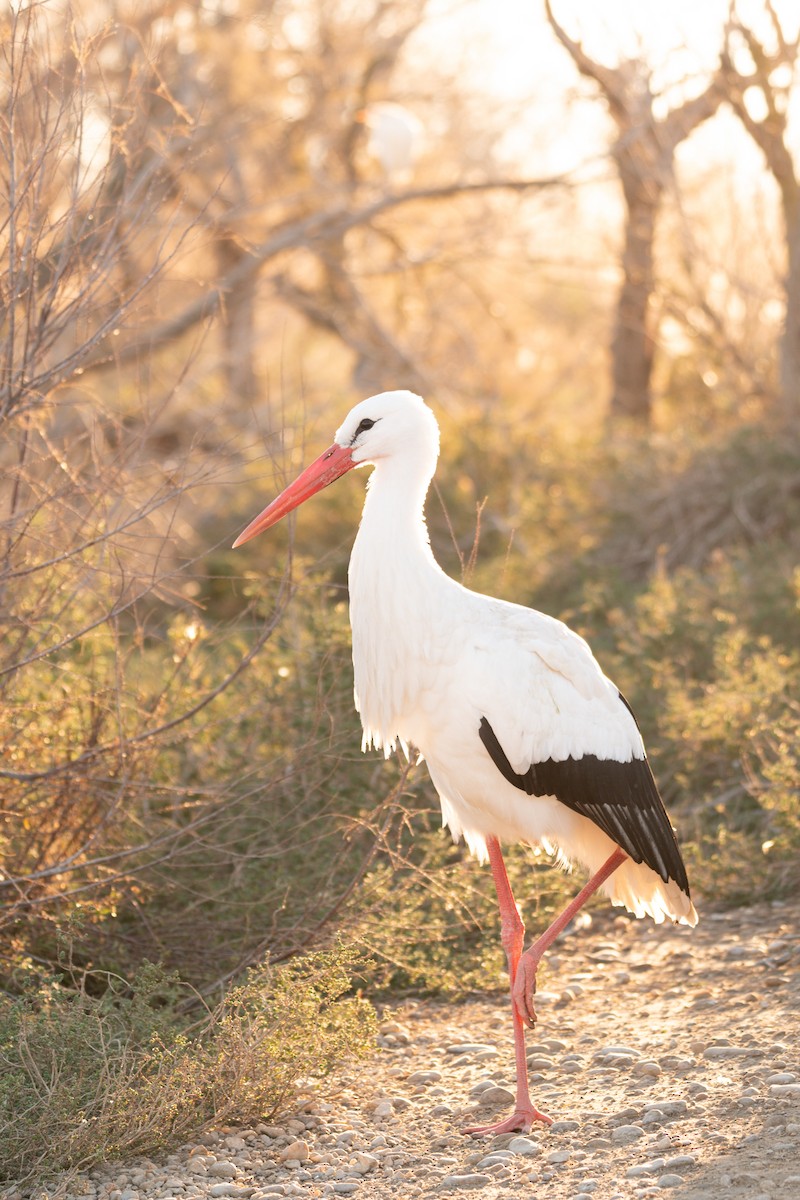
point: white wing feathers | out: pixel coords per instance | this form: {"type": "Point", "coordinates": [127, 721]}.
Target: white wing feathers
{"type": "Point", "coordinates": [543, 692]}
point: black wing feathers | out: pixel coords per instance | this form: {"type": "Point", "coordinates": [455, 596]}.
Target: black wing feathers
{"type": "Point", "coordinates": [620, 797]}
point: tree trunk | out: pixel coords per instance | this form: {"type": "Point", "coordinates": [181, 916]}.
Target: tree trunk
{"type": "Point", "coordinates": [644, 152]}
{"type": "Point", "coordinates": [633, 340]}
{"type": "Point", "coordinates": [238, 326]}
{"type": "Point", "coordinates": [790, 340]}
{"type": "Point", "coordinates": [770, 75]}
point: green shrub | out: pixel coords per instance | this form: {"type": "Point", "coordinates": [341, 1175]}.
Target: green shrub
{"type": "Point", "coordinates": [86, 1078]}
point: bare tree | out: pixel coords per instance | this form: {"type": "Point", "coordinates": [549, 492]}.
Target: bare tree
{"type": "Point", "coordinates": [136, 237]}
{"type": "Point", "coordinates": [644, 154]}
{"type": "Point", "coordinates": [92, 219]}
{"type": "Point", "coordinates": [87, 519]}
{"type": "Point", "coordinates": [757, 75]}
{"type": "Point", "coordinates": [281, 185]}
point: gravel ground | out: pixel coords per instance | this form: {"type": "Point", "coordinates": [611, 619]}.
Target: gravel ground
{"type": "Point", "coordinates": [668, 1058]}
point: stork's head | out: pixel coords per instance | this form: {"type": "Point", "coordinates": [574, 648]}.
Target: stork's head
{"type": "Point", "coordinates": [389, 426]}
{"type": "Point", "coordinates": [386, 426]}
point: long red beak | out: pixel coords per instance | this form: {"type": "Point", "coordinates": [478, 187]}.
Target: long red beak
{"type": "Point", "coordinates": [336, 461]}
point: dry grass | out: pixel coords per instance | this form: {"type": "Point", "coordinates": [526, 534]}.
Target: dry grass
{"type": "Point", "coordinates": [87, 1078]}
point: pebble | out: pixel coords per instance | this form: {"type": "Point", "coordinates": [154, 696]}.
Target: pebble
{"type": "Point", "coordinates": [364, 1163]}
{"type": "Point", "coordinates": [647, 1068]}
{"type": "Point", "coordinates": [717, 1053]}
{"type": "Point", "coordinates": [471, 1048]}
{"type": "Point", "coordinates": [496, 1095]}
{"type": "Point", "coordinates": [625, 1134]}
{"type": "Point", "coordinates": [424, 1077]}
{"type": "Point", "coordinates": [524, 1145]}
{"type": "Point", "coordinates": [640, 1169]}
{"type": "Point", "coordinates": [498, 1158]}
{"type": "Point", "coordinates": [475, 1180]}
{"type": "Point", "coordinates": [298, 1151]}
{"type": "Point", "coordinates": [668, 1108]}
{"type": "Point", "coordinates": [669, 1180]}
{"type": "Point", "coordinates": [226, 1170]}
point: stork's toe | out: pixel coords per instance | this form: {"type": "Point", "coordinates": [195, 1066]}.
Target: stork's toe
{"type": "Point", "coordinates": [520, 1121]}
{"type": "Point", "coordinates": [524, 988]}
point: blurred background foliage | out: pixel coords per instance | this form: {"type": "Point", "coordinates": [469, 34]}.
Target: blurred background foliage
{"type": "Point", "coordinates": [225, 223]}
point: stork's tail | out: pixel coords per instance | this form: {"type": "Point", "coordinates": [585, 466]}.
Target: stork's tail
{"type": "Point", "coordinates": [638, 888]}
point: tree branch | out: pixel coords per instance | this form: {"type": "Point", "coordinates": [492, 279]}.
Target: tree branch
{"type": "Point", "coordinates": [333, 223]}
{"type": "Point", "coordinates": [769, 134]}
{"type": "Point", "coordinates": [680, 122]}
{"type": "Point", "coordinates": [612, 81]}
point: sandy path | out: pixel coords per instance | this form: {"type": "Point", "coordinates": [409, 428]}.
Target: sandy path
{"type": "Point", "coordinates": [668, 1058]}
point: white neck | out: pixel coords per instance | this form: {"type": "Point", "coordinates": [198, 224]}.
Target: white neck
{"type": "Point", "coordinates": [395, 507]}
{"type": "Point", "coordinates": [396, 589]}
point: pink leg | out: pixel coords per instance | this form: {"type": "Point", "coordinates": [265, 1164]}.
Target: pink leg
{"type": "Point", "coordinates": [524, 985]}
{"type": "Point", "coordinates": [522, 975]}
{"type": "Point", "coordinates": [512, 932]}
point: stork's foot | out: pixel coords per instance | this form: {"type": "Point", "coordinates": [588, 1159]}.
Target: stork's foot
{"type": "Point", "coordinates": [524, 987]}
{"type": "Point", "coordinates": [520, 1121]}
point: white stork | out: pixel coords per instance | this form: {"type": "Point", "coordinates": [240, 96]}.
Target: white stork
{"type": "Point", "coordinates": [524, 736]}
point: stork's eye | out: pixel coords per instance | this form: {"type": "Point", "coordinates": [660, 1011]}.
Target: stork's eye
{"type": "Point", "coordinates": [364, 424]}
